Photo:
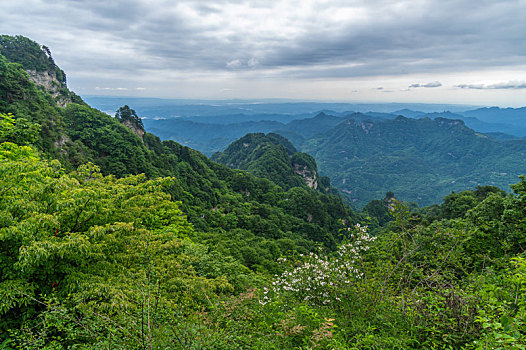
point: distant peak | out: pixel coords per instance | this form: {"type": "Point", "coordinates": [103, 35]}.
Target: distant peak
{"type": "Point", "coordinates": [449, 122]}
{"type": "Point", "coordinates": [401, 118]}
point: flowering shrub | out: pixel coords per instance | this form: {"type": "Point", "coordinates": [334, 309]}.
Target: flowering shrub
{"type": "Point", "coordinates": [321, 279]}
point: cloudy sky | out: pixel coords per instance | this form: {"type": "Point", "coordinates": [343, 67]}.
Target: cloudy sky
{"type": "Point", "coordinates": [443, 51]}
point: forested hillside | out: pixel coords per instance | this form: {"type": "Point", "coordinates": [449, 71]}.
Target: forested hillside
{"type": "Point", "coordinates": [420, 160]}
{"type": "Point", "coordinates": [273, 157]}
{"type": "Point", "coordinates": [113, 239]}
{"type": "Point", "coordinates": [214, 197]}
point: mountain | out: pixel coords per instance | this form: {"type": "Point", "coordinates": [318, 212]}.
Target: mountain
{"type": "Point", "coordinates": [445, 115]}
{"type": "Point", "coordinates": [479, 125]}
{"type": "Point", "coordinates": [213, 196]}
{"type": "Point", "coordinates": [486, 120]}
{"type": "Point", "coordinates": [212, 137]}
{"type": "Point", "coordinates": [408, 113]}
{"type": "Point", "coordinates": [420, 160]}
{"type": "Point", "coordinates": [502, 136]}
{"type": "Point", "coordinates": [514, 116]}
{"type": "Point", "coordinates": [206, 137]}
{"type": "Point", "coordinates": [430, 177]}
{"type": "Point", "coordinates": [494, 119]}
{"type": "Point", "coordinates": [273, 157]}
{"type": "Point", "coordinates": [380, 116]}
{"type": "Point", "coordinates": [39, 65]}
{"type": "Point", "coordinates": [311, 126]}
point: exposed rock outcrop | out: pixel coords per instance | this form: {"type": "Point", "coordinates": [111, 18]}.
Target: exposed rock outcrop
{"type": "Point", "coordinates": [129, 118]}
{"type": "Point", "coordinates": [137, 130]}
{"type": "Point", "coordinates": [48, 80]}
{"type": "Point", "coordinates": [310, 177]}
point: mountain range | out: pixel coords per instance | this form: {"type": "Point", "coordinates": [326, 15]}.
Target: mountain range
{"type": "Point", "coordinates": [364, 164]}
{"type": "Point", "coordinates": [212, 133]}
{"type": "Point", "coordinates": [420, 160]}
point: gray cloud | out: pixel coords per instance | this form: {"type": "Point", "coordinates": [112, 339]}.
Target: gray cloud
{"type": "Point", "coordinates": [382, 89]}
{"type": "Point", "coordinates": [241, 64]}
{"type": "Point", "coordinates": [514, 85]}
{"type": "Point", "coordinates": [411, 36]}
{"type": "Point", "coordinates": [433, 84]}
{"type": "Point", "coordinates": [294, 39]}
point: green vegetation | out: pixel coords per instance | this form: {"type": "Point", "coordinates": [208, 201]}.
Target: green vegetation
{"type": "Point", "coordinates": [127, 115]}
{"type": "Point", "coordinates": [366, 155]}
{"type": "Point", "coordinates": [273, 157]}
{"type": "Point", "coordinates": [421, 160]}
{"type": "Point", "coordinates": [93, 262]}
{"type": "Point", "coordinates": [30, 55]}
{"type": "Point", "coordinates": [190, 254]}
{"type": "Point", "coordinates": [80, 245]}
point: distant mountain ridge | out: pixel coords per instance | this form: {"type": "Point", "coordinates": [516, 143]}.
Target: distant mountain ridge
{"type": "Point", "coordinates": [210, 138]}
{"type": "Point", "coordinates": [210, 134]}
{"type": "Point", "coordinates": [420, 160]}
{"type": "Point", "coordinates": [487, 120]}
{"type": "Point", "coordinates": [323, 134]}
{"type": "Point", "coordinates": [498, 115]}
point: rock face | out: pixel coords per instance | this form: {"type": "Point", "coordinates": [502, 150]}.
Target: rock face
{"type": "Point", "coordinates": [310, 177]}
{"type": "Point", "coordinates": [129, 118]}
{"type": "Point", "coordinates": [137, 130]}
{"type": "Point", "coordinates": [48, 80]}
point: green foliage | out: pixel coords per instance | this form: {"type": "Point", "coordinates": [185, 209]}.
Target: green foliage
{"type": "Point", "coordinates": [127, 115]}
{"type": "Point", "coordinates": [378, 210]}
{"type": "Point", "coordinates": [19, 131]}
{"type": "Point", "coordinates": [30, 55]}
{"type": "Point", "coordinates": [112, 146]}
{"type": "Point", "coordinates": [504, 308]}
{"type": "Point", "coordinates": [456, 205]}
{"type": "Point", "coordinates": [421, 160]}
{"type": "Point", "coordinates": [99, 245]}
{"type": "Point", "coordinates": [269, 156]}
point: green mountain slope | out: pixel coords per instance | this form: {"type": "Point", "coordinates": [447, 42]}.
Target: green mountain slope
{"type": "Point", "coordinates": [233, 204]}
{"type": "Point", "coordinates": [273, 157]}
{"type": "Point", "coordinates": [419, 160]}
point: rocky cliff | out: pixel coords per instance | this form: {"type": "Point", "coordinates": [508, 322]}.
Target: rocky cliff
{"type": "Point", "coordinates": [48, 80]}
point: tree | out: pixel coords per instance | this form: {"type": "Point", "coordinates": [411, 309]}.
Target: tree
{"type": "Point", "coordinates": [126, 114]}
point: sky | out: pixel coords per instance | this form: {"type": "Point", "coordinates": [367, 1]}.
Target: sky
{"type": "Point", "coordinates": [429, 51]}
